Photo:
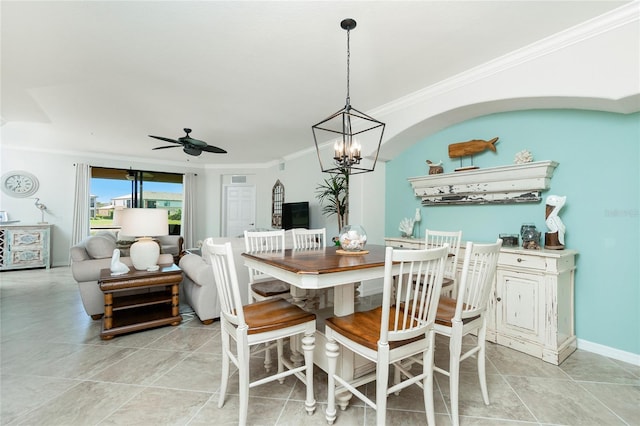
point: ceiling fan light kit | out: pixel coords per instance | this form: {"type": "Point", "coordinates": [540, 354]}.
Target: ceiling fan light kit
{"type": "Point", "coordinates": [189, 145]}
{"type": "Point", "coordinates": [350, 130]}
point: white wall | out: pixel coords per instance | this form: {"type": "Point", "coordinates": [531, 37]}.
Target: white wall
{"type": "Point", "coordinates": [301, 175]}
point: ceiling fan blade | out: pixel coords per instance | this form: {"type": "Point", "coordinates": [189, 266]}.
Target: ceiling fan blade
{"type": "Point", "coordinates": [165, 139]}
{"type": "Point", "coordinates": [192, 141]}
{"type": "Point", "coordinates": [165, 147]}
{"type": "Point", "coordinates": [192, 151]}
{"type": "Point", "coordinates": [213, 149]}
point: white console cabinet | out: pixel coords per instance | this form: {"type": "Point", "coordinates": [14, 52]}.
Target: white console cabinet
{"type": "Point", "coordinates": [532, 304]}
{"type": "Point", "coordinates": [25, 246]}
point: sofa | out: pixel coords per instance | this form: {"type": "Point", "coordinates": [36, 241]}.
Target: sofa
{"type": "Point", "coordinates": [198, 289]}
{"type": "Point", "coordinates": [88, 258]}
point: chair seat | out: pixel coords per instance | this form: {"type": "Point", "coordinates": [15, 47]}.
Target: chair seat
{"type": "Point", "coordinates": [364, 327]}
{"type": "Point", "coordinates": [274, 314]}
{"type": "Point", "coordinates": [446, 282]}
{"type": "Point", "coordinates": [447, 310]}
{"type": "Point", "coordinates": [270, 288]}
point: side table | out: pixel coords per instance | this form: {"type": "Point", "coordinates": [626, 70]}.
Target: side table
{"type": "Point", "coordinates": [125, 312]}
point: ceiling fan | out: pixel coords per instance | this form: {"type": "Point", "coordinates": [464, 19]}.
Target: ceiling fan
{"type": "Point", "coordinates": [189, 145]}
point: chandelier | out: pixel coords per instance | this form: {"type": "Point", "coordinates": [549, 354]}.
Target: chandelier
{"type": "Point", "coordinates": [350, 130]}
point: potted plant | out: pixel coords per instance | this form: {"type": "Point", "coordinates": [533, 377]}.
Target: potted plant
{"type": "Point", "coordinates": [333, 195]}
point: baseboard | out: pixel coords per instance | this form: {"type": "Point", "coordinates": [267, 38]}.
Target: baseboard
{"type": "Point", "coordinates": [610, 352]}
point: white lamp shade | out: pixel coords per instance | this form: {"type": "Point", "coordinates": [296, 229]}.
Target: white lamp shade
{"type": "Point", "coordinates": [144, 222]}
{"type": "Point", "coordinates": [117, 216]}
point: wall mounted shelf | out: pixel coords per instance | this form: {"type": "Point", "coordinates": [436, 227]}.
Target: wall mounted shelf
{"type": "Point", "coordinates": [518, 183]}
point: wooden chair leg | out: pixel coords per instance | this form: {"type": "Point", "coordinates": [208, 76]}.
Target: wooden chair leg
{"type": "Point", "coordinates": [224, 379]}
{"type": "Point", "coordinates": [427, 367]}
{"type": "Point", "coordinates": [482, 372]}
{"type": "Point", "coordinates": [243, 377]}
{"type": "Point", "coordinates": [308, 345]}
{"type": "Point", "coordinates": [455, 348]}
{"type": "Point", "coordinates": [332, 352]}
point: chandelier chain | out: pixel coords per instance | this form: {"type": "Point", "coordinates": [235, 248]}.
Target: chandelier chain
{"type": "Point", "coordinates": [348, 67]}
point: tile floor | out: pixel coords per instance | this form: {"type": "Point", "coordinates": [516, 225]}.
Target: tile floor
{"type": "Point", "coordinates": [55, 370]}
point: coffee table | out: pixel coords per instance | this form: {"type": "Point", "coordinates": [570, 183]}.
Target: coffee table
{"type": "Point", "coordinates": [126, 311]}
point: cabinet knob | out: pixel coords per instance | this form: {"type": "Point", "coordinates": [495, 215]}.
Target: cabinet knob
{"type": "Point", "coordinates": [498, 299]}
{"type": "Point", "coordinates": [520, 260]}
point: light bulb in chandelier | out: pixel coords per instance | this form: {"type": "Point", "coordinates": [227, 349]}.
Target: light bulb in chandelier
{"type": "Point", "coordinates": [347, 153]}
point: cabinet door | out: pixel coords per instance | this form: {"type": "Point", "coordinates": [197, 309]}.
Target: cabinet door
{"type": "Point", "coordinates": [518, 305]}
{"type": "Point", "coordinates": [26, 248]}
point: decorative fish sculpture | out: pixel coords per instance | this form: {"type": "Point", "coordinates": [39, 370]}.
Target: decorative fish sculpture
{"type": "Point", "coordinates": [475, 146]}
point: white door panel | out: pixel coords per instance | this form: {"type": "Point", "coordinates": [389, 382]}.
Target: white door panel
{"type": "Point", "coordinates": [239, 209]}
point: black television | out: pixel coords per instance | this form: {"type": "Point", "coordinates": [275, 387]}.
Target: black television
{"type": "Point", "coordinates": [295, 215]}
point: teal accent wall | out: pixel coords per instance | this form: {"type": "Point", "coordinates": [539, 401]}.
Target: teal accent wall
{"type": "Point", "coordinates": [598, 171]}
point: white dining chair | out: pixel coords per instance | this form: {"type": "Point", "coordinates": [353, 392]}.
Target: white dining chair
{"type": "Point", "coordinates": [312, 239]}
{"type": "Point", "coordinates": [434, 238]}
{"type": "Point", "coordinates": [306, 239]}
{"type": "Point", "coordinates": [466, 314]}
{"type": "Point", "coordinates": [254, 324]}
{"type": "Point", "coordinates": [262, 286]}
{"type": "Point", "coordinates": [401, 328]}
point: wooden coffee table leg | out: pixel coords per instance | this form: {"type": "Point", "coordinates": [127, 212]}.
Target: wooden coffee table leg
{"type": "Point", "coordinates": [107, 319]}
{"type": "Point", "coordinates": [175, 302]}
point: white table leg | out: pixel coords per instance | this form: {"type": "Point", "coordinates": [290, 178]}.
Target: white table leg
{"type": "Point", "coordinates": [343, 299]}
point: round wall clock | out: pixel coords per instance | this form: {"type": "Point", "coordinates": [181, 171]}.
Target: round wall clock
{"type": "Point", "coordinates": [19, 184]}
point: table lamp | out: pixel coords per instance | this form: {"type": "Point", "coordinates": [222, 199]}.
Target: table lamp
{"type": "Point", "coordinates": [144, 224]}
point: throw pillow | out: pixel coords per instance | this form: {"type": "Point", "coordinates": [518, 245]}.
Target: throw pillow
{"type": "Point", "coordinates": [100, 247]}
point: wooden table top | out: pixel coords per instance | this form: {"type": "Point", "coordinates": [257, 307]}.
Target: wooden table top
{"type": "Point", "coordinates": [105, 274]}
{"type": "Point", "coordinates": [321, 261]}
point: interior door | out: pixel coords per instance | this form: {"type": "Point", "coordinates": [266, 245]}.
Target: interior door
{"type": "Point", "coordinates": [239, 209]}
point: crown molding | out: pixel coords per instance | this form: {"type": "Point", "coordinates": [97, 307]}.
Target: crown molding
{"type": "Point", "coordinates": [607, 22]}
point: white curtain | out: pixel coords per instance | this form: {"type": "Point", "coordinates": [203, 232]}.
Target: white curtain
{"type": "Point", "coordinates": [80, 227]}
{"type": "Point", "coordinates": [189, 210]}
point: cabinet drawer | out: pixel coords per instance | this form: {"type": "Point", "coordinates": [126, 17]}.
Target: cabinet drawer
{"type": "Point", "coordinates": [517, 260]}
{"type": "Point", "coordinates": [405, 244]}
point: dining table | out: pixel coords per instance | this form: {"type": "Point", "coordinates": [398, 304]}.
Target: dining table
{"type": "Point", "coordinates": [325, 268]}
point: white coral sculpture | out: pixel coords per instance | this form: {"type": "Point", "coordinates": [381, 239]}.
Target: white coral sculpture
{"type": "Point", "coordinates": [523, 157]}
{"type": "Point", "coordinates": [406, 226]}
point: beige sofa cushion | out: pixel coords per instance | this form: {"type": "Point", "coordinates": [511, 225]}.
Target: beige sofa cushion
{"type": "Point", "coordinates": [100, 247]}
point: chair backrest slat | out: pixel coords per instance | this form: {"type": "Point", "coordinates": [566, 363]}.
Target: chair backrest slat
{"type": "Point", "coordinates": [435, 238]}
{"type": "Point", "coordinates": [264, 241]}
{"type": "Point", "coordinates": [478, 272]}
{"type": "Point", "coordinates": [409, 309]}
{"type": "Point", "coordinates": [226, 281]}
{"type": "Point", "coordinates": [305, 239]}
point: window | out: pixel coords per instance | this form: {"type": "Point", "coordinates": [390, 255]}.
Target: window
{"type": "Point", "coordinates": [122, 188]}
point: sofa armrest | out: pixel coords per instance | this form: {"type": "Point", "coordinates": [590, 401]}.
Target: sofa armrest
{"type": "Point", "coordinates": [197, 269]}
{"type": "Point", "coordinates": [89, 270]}
{"type": "Point", "coordinates": [79, 253]}
{"type": "Point", "coordinates": [172, 244]}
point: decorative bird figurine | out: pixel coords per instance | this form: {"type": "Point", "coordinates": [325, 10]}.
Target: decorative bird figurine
{"type": "Point", "coordinates": [42, 209]}
{"type": "Point", "coordinates": [117, 267]}
{"type": "Point", "coordinates": [554, 223]}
